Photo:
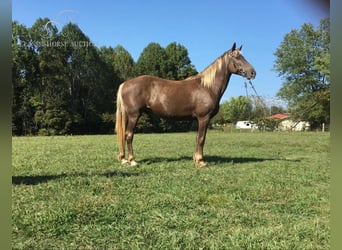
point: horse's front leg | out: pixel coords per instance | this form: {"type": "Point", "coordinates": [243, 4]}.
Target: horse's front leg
{"type": "Point", "coordinates": [201, 134]}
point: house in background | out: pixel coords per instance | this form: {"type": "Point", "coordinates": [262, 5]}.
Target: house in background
{"type": "Point", "coordinates": [286, 124]}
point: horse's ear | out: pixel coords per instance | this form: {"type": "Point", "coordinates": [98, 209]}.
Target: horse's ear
{"type": "Point", "coordinates": [240, 48]}
{"type": "Point", "coordinates": [234, 47]}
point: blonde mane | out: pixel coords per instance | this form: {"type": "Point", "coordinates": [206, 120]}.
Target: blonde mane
{"type": "Point", "coordinates": [209, 73]}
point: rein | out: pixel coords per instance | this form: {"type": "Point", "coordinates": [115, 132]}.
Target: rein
{"type": "Point", "coordinates": [257, 96]}
{"type": "Point", "coordinates": [250, 83]}
{"type": "Point", "coordinates": [256, 93]}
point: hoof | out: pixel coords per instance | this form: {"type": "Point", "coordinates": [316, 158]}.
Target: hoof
{"type": "Point", "coordinates": [133, 163]}
{"type": "Point", "coordinates": [202, 164]}
{"type": "Point", "coordinates": [125, 163]}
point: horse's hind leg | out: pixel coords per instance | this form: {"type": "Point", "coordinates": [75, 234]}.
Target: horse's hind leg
{"type": "Point", "coordinates": [132, 121]}
{"type": "Point", "coordinates": [202, 131]}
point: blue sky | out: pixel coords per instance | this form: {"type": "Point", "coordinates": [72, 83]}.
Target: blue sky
{"type": "Point", "coordinates": [207, 28]}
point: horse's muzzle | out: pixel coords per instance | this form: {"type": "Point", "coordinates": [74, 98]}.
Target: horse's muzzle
{"type": "Point", "coordinates": [250, 74]}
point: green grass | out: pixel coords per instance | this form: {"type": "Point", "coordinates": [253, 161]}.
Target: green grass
{"type": "Point", "coordinates": [261, 191]}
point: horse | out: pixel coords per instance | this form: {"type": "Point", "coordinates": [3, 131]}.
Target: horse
{"type": "Point", "coordinates": [196, 97]}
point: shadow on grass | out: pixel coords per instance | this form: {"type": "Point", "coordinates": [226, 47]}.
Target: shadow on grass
{"type": "Point", "coordinates": [37, 179]}
{"type": "Point", "coordinates": [213, 159]}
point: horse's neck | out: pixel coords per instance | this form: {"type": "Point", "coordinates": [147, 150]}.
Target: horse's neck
{"type": "Point", "coordinates": [221, 83]}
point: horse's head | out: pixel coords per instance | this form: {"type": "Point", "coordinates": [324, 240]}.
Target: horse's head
{"type": "Point", "coordinates": [239, 65]}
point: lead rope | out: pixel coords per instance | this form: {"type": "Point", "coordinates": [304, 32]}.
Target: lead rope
{"type": "Point", "coordinates": [262, 104]}
{"type": "Point", "coordinates": [246, 87]}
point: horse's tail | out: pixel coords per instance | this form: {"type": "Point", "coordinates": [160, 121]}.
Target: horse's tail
{"type": "Point", "coordinates": [120, 124]}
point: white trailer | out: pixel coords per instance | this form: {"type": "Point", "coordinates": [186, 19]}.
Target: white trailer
{"type": "Point", "coordinates": [245, 125]}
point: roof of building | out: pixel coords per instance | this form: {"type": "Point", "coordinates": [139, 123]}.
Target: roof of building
{"type": "Point", "coordinates": [279, 116]}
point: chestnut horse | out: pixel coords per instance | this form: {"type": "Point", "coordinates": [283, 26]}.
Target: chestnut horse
{"type": "Point", "coordinates": [197, 96]}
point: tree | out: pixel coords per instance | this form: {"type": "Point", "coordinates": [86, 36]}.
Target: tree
{"type": "Point", "coordinates": [179, 63]}
{"type": "Point", "coordinates": [237, 109]}
{"type": "Point", "coordinates": [303, 60]}
{"type": "Point", "coordinates": [92, 82]}
{"type": "Point", "coordinates": [51, 98]}
{"type": "Point", "coordinates": [24, 70]}
{"type": "Point", "coordinates": [152, 61]}
{"type": "Point", "coordinates": [37, 77]}
{"type": "Point", "coordinates": [60, 82]}
{"type": "Point", "coordinates": [121, 61]}
{"type": "Point", "coordinates": [63, 83]}
{"type": "Point", "coordinates": [277, 109]}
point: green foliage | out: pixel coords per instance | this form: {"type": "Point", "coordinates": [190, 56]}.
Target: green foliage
{"type": "Point", "coordinates": [60, 83]}
{"type": "Point", "coordinates": [24, 70]}
{"type": "Point", "coordinates": [63, 71]}
{"type": "Point", "coordinates": [265, 124]}
{"type": "Point", "coordinates": [303, 60]}
{"type": "Point", "coordinates": [120, 59]}
{"type": "Point", "coordinates": [277, 109]}
{"type": "Point", "coordinates": [179, 64]}
{"type": "Point", "coordinates": [152, 61]}
{"type": "Point", "coordinates": [218, 118]}
{"type": "Point", "coordinates": [242, 108]}
{"type": "Point", "coordinates": [53, 121]}
{"type": "Point", "coordinates": [172, 62]}
{"type": "Point", "coordinates": [261, 191]}
{"type": "Point", "coordinates": [237, 109]}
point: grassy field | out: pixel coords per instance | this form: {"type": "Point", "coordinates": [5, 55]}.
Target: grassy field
{"type": "Point", "coordinates": [261, 191]}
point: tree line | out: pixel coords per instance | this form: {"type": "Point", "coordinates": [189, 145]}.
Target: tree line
{"type": "Point", "coordinates": [64, 84]}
